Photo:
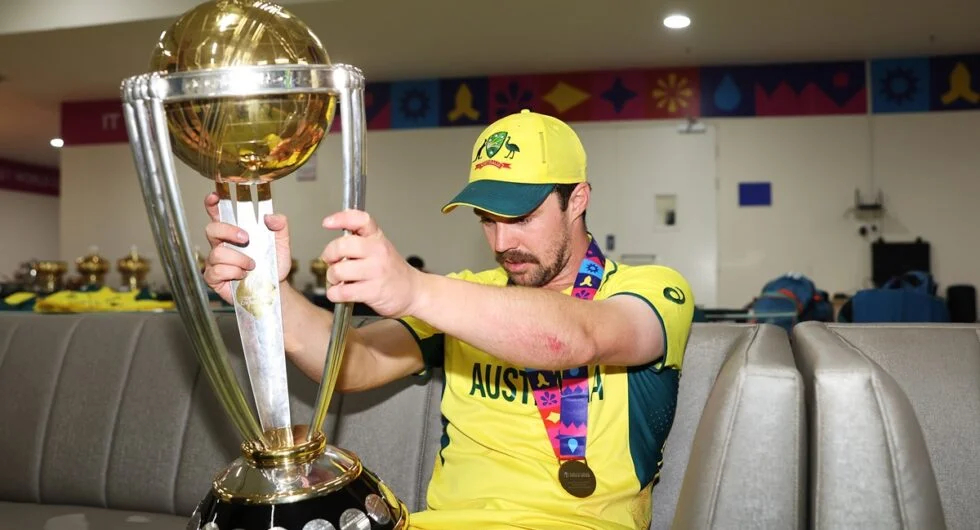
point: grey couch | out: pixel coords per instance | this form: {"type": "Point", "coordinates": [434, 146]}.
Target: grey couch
{"type": "Point", "coordinates": [895, 424]}
{"type": "Point", "coordinates": [108, 423]}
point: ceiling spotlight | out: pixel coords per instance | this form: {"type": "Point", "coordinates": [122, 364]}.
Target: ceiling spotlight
{"type": "Point", "coordinates": [57, 142]}
{"type": "Point", "coordinates": [677, 21]}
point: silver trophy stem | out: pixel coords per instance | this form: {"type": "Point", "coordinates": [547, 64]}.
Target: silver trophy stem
{"type": "Point", "coordinates": [352, 121]}
{"type": "Point", "coordinates": [144, 97]}
{"type": "Point", "coordinates": [258, 307]}
{"type": "Point", "coordinates": [150, 142]}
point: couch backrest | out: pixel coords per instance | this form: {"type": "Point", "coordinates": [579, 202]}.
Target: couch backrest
{"type": "Point", "coordinates": [395, 430]}
{"type": "Point", "coordinates": [112, 410]}
{"type": "Point", "coordinates": [735, 456]}
{"type": "Point", "coordinates": [897, 423]}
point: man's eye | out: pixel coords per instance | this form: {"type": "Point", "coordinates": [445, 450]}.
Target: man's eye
{"type": "Point", "coordinates": [485, 221]}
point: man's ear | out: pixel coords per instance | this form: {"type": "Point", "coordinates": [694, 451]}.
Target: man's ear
{"type": "Point", "coordinates": [579, 201]}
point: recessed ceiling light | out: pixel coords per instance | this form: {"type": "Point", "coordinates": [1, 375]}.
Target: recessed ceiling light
{"type": "Point", "coordinates": [677, 21]}
{"type": "Point", "coordinates": [57, 142]}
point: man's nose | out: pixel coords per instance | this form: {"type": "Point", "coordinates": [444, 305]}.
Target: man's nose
{"type": "Point", "coordinates": [504, 238]}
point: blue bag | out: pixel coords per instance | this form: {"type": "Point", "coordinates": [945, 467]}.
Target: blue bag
{"type": "Point", "coordinates": [789, 299]}
{"type": "Point", "coordinates": [909, 297]}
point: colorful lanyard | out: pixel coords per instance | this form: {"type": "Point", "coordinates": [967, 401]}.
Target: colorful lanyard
{"type": "Point", "coordinates": [564, 404]}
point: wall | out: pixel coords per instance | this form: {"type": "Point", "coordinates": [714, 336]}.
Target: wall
{"type": "Point", "coordinates": [30, 222]}
{"type": "Point", "coordinates": [925, 164]}
{"type": "Point", "coordinates": [410, 176]}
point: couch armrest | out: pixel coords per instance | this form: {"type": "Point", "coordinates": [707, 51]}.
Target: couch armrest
{"type": "Point", "coordinates": [747, 467]}
{"type": "Point", "coordinates": [870, 466]}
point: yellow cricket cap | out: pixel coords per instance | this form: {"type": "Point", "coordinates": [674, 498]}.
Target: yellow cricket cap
{"type": "Point", "coordinates": [516, 163]}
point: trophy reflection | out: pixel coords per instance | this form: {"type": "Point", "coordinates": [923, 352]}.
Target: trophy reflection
{"type": "Point", "coordinates": [243, 93]}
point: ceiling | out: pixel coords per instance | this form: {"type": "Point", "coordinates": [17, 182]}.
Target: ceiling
{"type": "Point", "coordinates": [392, 40]}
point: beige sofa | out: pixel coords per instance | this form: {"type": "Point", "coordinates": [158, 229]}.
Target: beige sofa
{"type": "Point", "coordinates": [894, 424]}
{"type": "Point", "coordinates": [108, 423]}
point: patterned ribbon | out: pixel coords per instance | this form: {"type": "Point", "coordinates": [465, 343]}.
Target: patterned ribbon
{"type": "Point", "coordinates": [563, 400]}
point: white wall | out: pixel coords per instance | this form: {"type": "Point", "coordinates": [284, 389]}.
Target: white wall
{"type": "Point", "coordinates": [814, 165]}
{"type": "Point", "coordinates": [30, 229]}
{"type": "Point", "coordinates": [925, 164]}
{"type": "Point", "coordinates": [410, 176]}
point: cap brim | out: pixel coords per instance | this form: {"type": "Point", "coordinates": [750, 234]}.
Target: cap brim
{"type": "Point", "coordinates": [505, 199]}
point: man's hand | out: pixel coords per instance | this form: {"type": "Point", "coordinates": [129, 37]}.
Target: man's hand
{"type": "Point", "coordinates": [224, 263]}
{"type": "Point", "coordinates": [365, 267]}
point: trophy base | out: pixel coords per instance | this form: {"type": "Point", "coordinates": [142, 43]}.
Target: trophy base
{"type": "Point", "coordinates": [312, 486]}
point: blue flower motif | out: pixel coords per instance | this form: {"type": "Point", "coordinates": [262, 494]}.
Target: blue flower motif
{"type": "Point", "coordinates": [549, 398]}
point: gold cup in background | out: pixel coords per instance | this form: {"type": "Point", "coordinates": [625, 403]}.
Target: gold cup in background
{"type": "Point", "coordinates": [50, 276]}
{"type": "Point", "coordinates": [133, 268]}
{"type": "Point", "coordinates": [92, 268]}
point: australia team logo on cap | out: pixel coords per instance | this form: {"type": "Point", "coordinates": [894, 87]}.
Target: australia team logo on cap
{"type": "Point", "coordinates": [493, 145]}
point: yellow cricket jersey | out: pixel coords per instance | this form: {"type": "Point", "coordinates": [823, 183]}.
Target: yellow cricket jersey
{"type": "Point", "coordinates": [496, 467]}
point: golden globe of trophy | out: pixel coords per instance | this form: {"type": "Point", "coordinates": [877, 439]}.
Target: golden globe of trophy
{"type": "Point", "coordinates": [243, 93]}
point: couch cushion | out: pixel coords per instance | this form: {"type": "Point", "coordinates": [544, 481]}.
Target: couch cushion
{"type": "Point", "coordinates": [112, 410]}
{"type": "Point", "coordinates": [889, 405]}
{"type": "Point", "coordinates": [391, 430]}
{"type": "Point", "coordinates": [30, 516]}
{"type": "Point", "coordinates": [735, 456]}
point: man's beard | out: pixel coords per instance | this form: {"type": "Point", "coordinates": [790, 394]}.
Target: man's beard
{"type": "Point", "coordinates": [537, 275]}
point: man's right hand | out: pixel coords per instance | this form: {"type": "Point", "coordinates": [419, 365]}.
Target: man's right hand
{"type": "Point", "coordinates": [376, 354]}
{"type": "Point", "coordinates": [225, 263]}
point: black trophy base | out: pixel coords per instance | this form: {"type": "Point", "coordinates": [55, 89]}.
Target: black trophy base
{"type": "Point", "coordinates": [360, 505]}
{"type": "Point", "coordinates": [310, 486]}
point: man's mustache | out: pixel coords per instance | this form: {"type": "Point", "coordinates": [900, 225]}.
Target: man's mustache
{"type": "Point", "coordinates": [515, 256]}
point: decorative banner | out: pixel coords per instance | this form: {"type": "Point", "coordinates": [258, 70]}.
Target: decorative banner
{"type": "Point", "coordinates": [784, 90]}
{"type": "Point", "coordinates": [901, 85]}
{"type": "Point", "coordinates": [619, 95]}
{"type": "Point", "coordinates": [464, 101]}
{"type": "Point", "coordinates": [955, 82]}
{"type": "Point", "coordinates": [803, 89]}
{"type": "Point", "coordinates": [811, 89]}
{"type": "Point", "coordinates": [15, 176]}
{"type": "Point", "coordinates": [93, 122]}
{"type": "Point", "coordinates": [414, 104]}
{"type": "Point", "coordinates": [512, 94]}
{"type": "Point", "coordinates": [673, 94]}
{"type": "Point", "coordinates": [377, 105]}
{"type": "Point", "coordinates": [567, 97]}
{"type": "Point", "coordinates": [727, 91]}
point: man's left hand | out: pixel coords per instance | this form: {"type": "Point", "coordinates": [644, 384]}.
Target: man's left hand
{"type": "Point", "coordinates": [365, 267]}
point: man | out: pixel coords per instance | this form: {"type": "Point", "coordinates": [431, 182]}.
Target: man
{"type": "Point", "coordinates": [561, 365]}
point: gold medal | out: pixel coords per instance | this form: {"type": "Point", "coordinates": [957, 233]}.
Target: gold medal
{"type": "Point", "coordinates": [577, 478]}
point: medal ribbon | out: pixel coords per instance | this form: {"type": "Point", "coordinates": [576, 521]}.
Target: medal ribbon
{"type": "Point", "coordinates": [563, 402]}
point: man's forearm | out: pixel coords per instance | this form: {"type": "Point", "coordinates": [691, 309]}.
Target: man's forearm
{"type": "Point", "coordinates": [307, 329]}
{"type": "Point", "coordinates": [536, 328]}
